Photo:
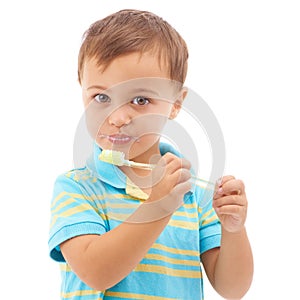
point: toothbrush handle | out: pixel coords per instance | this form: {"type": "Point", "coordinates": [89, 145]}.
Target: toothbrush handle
{"type": "Point", "coordinates": [203, 182]}
{"type": "Point", "coordinates": [138, 165]}
{"type": "Point", "coordinates": [207, 184]}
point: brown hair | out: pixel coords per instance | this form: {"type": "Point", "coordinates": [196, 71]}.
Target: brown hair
{"type": "Point", "coordinates": [130, 31]}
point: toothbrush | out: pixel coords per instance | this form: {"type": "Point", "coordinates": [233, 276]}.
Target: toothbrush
{"type": "Point", "coordinates": [117, 158]}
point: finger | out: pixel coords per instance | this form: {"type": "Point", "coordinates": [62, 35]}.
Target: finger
{"type": "Point", "coordinates": [185, 164]}
{"type": "Point", "coordinates": [230, 200]}
{"type": "Point", "coordinates": [183, 175]}
{"type": "Point", "coordinates": [234, 186]}
{"type": "Point", "coordinates": [167, 165]}
{"type": "Point", "coordinates": [222, 181]}
{"type": "Point", "coordinates": [178, 163]}
{"type": "Point", "coordinates": [165, 160]}
{"type": "Point", "coordinates": [233, 210]}
{"type": "Point", "coordinates": [230, 187]}
{"type": "Point", "coordinates": [173, 162]}
{"type": "Point", "coordinates": [168, 157]}
{"type": "Point", "coordinates": [182, 188]}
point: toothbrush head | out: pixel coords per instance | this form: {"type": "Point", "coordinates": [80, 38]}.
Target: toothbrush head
{"type": "Point", "coordinates": [113, 157]}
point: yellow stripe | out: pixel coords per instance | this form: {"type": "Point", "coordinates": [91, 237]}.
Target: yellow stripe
{"type": "Point", "coordinates": [175, 250]}
{"type": "Point", "coordinates": [184, 224]}
{"type": "Point", "coordinates": [168, 271]}
{"type": "Point", "coordinates": [63, 204]}
{"type": "Point", "coordinates": [119, 205]}
{"type": "Point", "coordinates": [210, 220]}
{"type": "Point", "coordinates": [78, 175]}
{"type": "Point", "coordinates": [189, 225]}
{"type": "Point", "coordinates": [65, 267]}
{"type": "Point", "coordinates": [189, 206]}
{"type": "Point", "coordinates": [118, 216]}
{"type": "Point", "coordinates": [175, 261]}
{"type": "Point", "coordinates": [186, 214]}
{"type": "Point", "coordinates": [91, 197]}
{"type": "Point", "coordinates": [82, 293]}
{"type": "Point", "coordinates": [208, 213]}
{"type": "Point", "coordinates": [58, 197]}
{"type": "Point", "coordinates": [72, 195]}
{"type": "Point", "coordinates": [135, 296]}
{"type": "Point", "coordinates": [132, 206]}
{"type": "Point", "coordinates": [200, 209]}
{"type": "Point", "coordinates": [71, 211]}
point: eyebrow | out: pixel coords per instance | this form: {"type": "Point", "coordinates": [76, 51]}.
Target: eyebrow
{"type": "Point", "coordinates": [137, 90]}
{"type": "Point", "coordinates": [145, 90]}
{"type": "Point", "coordinates": [96, 87]}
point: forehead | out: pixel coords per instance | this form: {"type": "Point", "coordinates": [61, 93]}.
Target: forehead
{"type": "Point", "coordinates": [123, 68]}
{"type": "Point", "coordinates": [127, 73]}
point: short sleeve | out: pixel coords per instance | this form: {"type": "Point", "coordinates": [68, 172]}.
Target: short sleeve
{"type": "Point", "coordinates": [209, 223]}
{"type": "Point", "coordinates": [73, 212]}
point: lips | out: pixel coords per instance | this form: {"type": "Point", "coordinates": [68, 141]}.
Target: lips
{"type": "Point", "coordinates": [119, 139]}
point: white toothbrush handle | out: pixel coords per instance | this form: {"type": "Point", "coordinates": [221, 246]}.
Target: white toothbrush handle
{"type": "Point", "coordinates": [138, 165]}
{"type": "Point", "coordinates": [206, 183]}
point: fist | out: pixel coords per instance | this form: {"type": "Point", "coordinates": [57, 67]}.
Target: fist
{"type": "Point", "coordinates": [230, 203]}
{"type": "Point", "coordinates": [170, 180]}
{"type": "Point", "coordinates": [170, 177]}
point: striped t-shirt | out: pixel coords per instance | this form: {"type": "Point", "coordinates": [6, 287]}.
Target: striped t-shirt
{"type": "Point", "coordinates": [96, 199]}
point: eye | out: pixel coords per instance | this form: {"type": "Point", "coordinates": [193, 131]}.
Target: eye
{"type": "Point", "coordinates": [140, 100]}
{"type": "Point", "coordinates": [102, 98]}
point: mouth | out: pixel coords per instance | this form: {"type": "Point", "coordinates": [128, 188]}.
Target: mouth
{"type": "Point", "coordinates": [118, 139]}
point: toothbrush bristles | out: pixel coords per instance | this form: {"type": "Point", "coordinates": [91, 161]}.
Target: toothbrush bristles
{"type": "Point", "coordinates": [112, 157]}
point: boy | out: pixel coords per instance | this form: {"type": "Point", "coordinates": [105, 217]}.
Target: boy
{"type": "Point", "coordinates": [132, 66]}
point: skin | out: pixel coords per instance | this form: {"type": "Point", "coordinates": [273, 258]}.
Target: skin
{"type": "Point", "coordinates": [97, 260]}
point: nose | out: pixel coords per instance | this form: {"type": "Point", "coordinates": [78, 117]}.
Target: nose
{"type": "Point", "coordinates": [120, 117]}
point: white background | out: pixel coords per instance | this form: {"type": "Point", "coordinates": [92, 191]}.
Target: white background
{"type": "Point", "coordinates": [244, 61]}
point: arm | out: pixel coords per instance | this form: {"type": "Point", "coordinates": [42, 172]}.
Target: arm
{"type": "Point", "coordinates": [230, 267]}
{"type": "Point", "coordinates": [102, 261]}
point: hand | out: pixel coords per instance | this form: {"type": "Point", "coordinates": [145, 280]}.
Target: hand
{"type": "Point", "coordinates": [170, 177]}
{"type": "Point", "coordinates": [169, 183]}
{"type": "Point", "coordinates": [230, 203]}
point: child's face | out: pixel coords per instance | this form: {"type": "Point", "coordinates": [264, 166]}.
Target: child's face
{"type": "Point", "coordinates": [128, 103]}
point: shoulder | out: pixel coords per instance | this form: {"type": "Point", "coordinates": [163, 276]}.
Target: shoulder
{"type": "Point", "coordinates": [76, 181]}
{"type": "Point", "coordinates": [76, 177]}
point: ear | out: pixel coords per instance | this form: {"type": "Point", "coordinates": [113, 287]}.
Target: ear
{"type": "Point", "coordinates": [178, 103]}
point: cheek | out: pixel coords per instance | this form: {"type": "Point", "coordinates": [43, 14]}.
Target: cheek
{"type": "Point", "coordinates": [142, 145]}
{"type": "Point", "coordinates": [149, 124]}
{"type": "Point", "coordinates": [103, 143]}
{"type": "Point", "coordinates": [96, 120]}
